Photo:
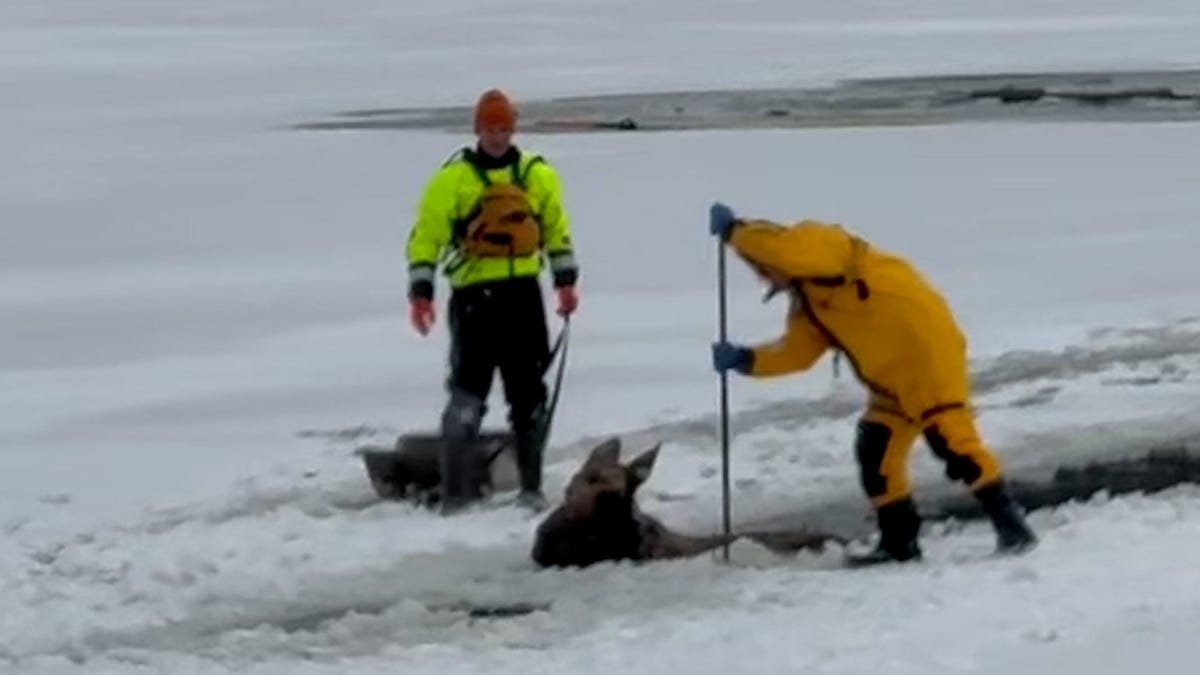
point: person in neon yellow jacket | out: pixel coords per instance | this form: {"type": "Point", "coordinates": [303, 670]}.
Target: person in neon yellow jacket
{"type": "Point", "coordinates": [904, 345]}
{"type": "Point", "coordinates": [492, 217]}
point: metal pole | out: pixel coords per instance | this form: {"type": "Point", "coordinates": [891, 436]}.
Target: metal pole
{"type": "Point", "coordinates": [721, 292]}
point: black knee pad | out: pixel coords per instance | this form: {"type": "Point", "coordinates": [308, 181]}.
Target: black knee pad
{"type": "Point", "coordinates": [870, 445]}
{"type": "Point", "coordinates": [462, 416]}
{"type": "Point", "coordinates": [958, 467]}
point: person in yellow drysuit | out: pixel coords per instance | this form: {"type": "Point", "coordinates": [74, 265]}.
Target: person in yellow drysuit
{"type": "Point", "coordinates": [902, 341]}
{"type": "Point", "coordinates": [493, 217]}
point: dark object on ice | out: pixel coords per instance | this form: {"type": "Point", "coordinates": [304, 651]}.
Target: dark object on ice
{"type": "Point", "coordinates": [1099, 97]}
{"type": "Point", "coordinates": [412, 469]}
{"type": "Point", "coordinates": [506, 611]}
{"type": "Point", "coordinates": [1151, 472]}
{"type": "Point", "coordinates": [585, 124]}
{"type": "Point", "coordinates": [599, 520]}
{"type": "Point", "coordinates": [493, 610]}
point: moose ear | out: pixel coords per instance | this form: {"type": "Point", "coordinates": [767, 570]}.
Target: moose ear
{"type": "Point", "coordinates": [607, 452]}
{"type": "Point", "coordinates": [643, 464]}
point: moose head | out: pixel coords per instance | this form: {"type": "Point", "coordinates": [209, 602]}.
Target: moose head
{"type": "Point", "coordinates": [605, 487]}
{"type": "Point", "coordinates": [598, 518]}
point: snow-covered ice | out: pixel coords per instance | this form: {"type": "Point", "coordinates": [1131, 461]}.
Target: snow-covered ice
{"type": "Point", "coordinates": [201, 307]}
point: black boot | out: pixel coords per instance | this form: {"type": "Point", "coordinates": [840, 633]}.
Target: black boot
{"type": "Point", "coordinates": [1008, 518]}
{"type": "Point", "coordinates": [459, 462]}
{"type": "Point", "coordinates": [462, 479]}
{"type": "Point", "coordinates": [899, 525]}
{"type": "Point", "coordinates": [529, 467]}
{"type": "Point", "coordinates": [530, 445]}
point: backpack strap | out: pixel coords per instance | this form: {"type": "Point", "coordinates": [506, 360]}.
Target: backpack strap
{"type": "Point", "coordinates": [520, 179]}
{"type": "Point", "coordinates": [473, 159]}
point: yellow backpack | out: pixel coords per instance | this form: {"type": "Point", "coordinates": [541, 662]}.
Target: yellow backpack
{"type": "Point", "coordinates": [502, 224]}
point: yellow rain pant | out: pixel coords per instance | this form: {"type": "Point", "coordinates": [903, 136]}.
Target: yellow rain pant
{"type": "Point", "coordinates": [885, 438]}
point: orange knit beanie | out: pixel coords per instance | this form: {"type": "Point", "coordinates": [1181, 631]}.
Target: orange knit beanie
{"type": "Point", "coordinates": [495, 111]}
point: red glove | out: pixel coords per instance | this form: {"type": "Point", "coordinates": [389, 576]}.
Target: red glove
{"type": "Point", "coordinates": [568, 300]}
{"type": "Point", "coordinates": [420, 314]}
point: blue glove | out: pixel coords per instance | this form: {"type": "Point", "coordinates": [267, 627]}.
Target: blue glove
{"type": "Point", "coordinates": [727, 356]}
{"type": "Point", "coordinates": [721, 220]}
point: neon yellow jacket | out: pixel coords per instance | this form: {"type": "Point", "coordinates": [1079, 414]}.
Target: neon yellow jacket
{"type": "Point", "coordinates": [450, 196]}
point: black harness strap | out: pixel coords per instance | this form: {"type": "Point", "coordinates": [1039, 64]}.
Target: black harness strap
{"type": "Point", "coordinates": [559, 350]}
{"type": "Point", "coordinates": [939, 409]}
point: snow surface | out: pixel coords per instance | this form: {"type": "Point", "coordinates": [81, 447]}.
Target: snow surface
{"type": "Point", "coordinates": [204, 314]}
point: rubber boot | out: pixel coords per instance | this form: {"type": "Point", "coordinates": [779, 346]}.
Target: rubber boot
{"type": "Point", "coordinates": [462, 483]}
{"type": "Point", "coordinates": [530, 445]}
{"type": "Point", "coordinates": [458, 462]}
{"type": "Point", "coordinates": [899, 526]}
{"type": "Point", "coordinates": [1013, 535]}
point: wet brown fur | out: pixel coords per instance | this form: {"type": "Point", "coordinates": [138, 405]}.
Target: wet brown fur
{"type": "Point", "coordinates": [599, 519]}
